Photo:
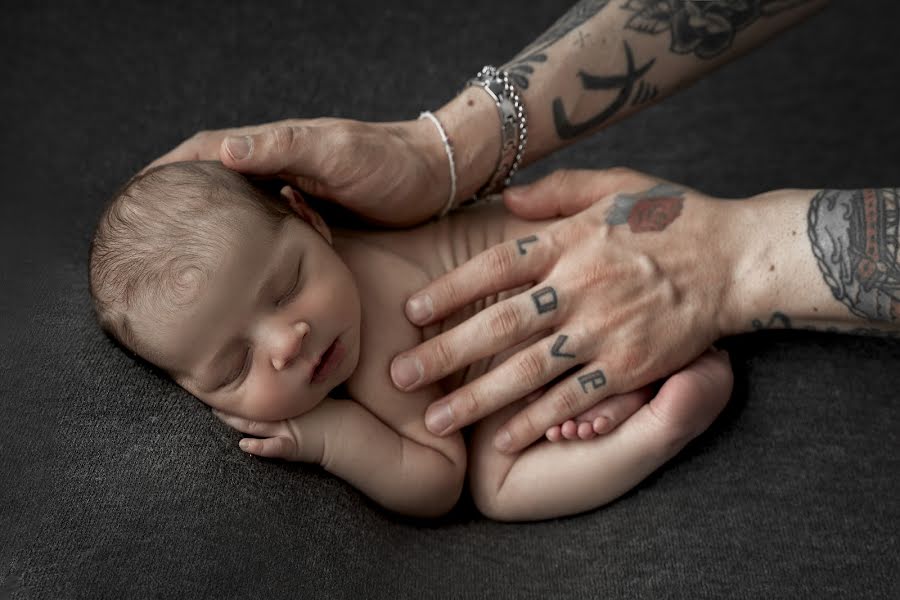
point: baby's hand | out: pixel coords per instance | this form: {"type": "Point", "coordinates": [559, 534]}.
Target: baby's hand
{"type": "Point", "coordinates": [602, 417]}
{"type": "Point", "coordinates": [291, 439]}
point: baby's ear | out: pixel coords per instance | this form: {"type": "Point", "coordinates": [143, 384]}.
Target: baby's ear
{"type": "Point", "coordinates": [306, 213]}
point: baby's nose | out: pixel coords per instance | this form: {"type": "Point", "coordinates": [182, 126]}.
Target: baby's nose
{"type": "Point", "coordinates": [289, 345]}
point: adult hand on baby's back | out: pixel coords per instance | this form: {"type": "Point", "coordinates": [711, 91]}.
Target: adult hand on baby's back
{"type": "Point", "coordinates": [627, 287]}
{"type": "Point", "coordinates": [389, 173]}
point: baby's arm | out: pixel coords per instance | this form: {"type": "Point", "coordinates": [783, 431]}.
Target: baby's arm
{"type": "Point", "coordinates": [389, 461]}
{"type": "Point", "coordinates": [549, 480]}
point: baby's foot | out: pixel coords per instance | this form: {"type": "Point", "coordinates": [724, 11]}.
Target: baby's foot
{"type": "Point", "coordinates": [601, 418]}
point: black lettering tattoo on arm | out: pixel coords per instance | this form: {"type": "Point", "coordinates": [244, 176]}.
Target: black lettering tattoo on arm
{"type": "Point", "coordinates": [625, 83]}
{"type": "Point", "coordinates": [855, 238]}
{"type": "Point", "coordinates": [556, 350]}
{"type": "Point", "coordinates": [595, 378]}
{"type": "Point", "coordinates": [545, 300]}
{"type": "Point", "coordinates": [524, 241]}
{"type": "Point", "coordinates": [704, 28]}
{"type": "Point", "coordinates": [519, 68]}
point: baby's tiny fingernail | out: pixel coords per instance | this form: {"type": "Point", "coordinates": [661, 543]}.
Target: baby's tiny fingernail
{"type": "Point", "coordinates": [238, 147]}
{"type": "Point", "coordinates": [245, 445]}
{"type": "Point", "coordinates": [419, 308]}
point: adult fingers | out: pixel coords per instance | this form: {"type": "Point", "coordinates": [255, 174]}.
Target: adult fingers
{"type": "Point", "coordinates": [291, 149]}
{"type": "Point", "coordinates": [500, 267]}
{"type": "Point", "coordinates": [566, 192]}
{"type": "Point", "coordinates": [516, 377]}
{"type": "Point", "coordinates": [690, 400]}
{"type": "Point", "coordinates": [571, 396]}
{"type": "Point", "coordinates": [493, 330]}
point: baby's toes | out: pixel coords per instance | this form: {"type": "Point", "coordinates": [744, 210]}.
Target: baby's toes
{"type": "Point", "coordinates": [570, 430]}
{"type": "Point", "coordinates": [602, 424]}
{"type": "Point", "coordinates": [554, 434]}
{"type": "Point", "coordinates": [585, 431]}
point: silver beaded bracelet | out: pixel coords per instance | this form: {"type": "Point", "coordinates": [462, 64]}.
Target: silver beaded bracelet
{"type": "Point", "coordinates": [513, 126]}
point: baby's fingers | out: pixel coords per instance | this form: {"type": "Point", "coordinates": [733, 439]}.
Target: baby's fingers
{"type": "Point", "coordinates": [273, 447]}
{"type": "Point", "coordinates": [258, 428]}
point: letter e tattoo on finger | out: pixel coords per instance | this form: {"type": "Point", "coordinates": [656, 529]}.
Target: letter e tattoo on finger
{"type": "Point", "coordinates": [545, 300]}
{"type": "Point", "coordinates": [595, 378]}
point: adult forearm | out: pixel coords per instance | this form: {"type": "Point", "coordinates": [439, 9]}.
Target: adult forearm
{"type": "Point", "coordinates": [823, 260]}
{"type": "Point", "coordinates": [604, 60]}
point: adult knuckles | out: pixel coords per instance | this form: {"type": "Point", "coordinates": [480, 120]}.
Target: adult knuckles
{"type": "Point", "coordinates": [566, 403]}
{"type": "Point", "coordinates": [504, 321]}
{"type": "Point", "coordinates": [529, 370]}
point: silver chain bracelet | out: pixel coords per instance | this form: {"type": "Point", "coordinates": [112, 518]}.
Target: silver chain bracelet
{"type": "Point", "coordinates": [513, 126]}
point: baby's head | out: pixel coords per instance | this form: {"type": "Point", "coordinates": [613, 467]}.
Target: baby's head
{"type": "Point", "coordinates": [236, 294]}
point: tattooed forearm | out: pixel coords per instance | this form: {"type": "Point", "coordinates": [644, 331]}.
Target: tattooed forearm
{"type": "Point", "coordinates": [779, 320]}
{"type": "Point", "coordinates": [854, 236]}
{"type": "Point", "coordinates": [519, 68]}
{"type": "Point", "coordinates": [650, 210]}
{"type": "Point", "coordinates": [705, 28]}
{"type": "Point", "coordinates": [624, 82]}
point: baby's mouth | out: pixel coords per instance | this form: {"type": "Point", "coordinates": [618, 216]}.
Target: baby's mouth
{"type": "Point", "coordinates": [327, 362]}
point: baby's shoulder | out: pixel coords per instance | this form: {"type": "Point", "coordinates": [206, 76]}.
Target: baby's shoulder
{"type": "Point", "coordinates": [384, 280]}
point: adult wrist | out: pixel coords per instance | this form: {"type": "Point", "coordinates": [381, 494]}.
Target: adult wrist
{"type": "Point", "coordinates": [473, 127]}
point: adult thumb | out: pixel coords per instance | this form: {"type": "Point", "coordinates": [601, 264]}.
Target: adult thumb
{"type": "Point", "coordinates": [275, 150]}
{"type": "Point", "coordinates": [560, 194]}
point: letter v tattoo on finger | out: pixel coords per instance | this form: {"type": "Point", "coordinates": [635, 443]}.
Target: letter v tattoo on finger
{"type": "Point", "coordinates": [556, 350]}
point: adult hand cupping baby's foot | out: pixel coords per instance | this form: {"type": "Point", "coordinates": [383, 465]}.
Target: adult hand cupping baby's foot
{"type": "Point", "coordinates": [601, 418]}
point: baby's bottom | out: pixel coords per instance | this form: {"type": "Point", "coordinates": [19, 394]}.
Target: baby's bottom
{"type": "Point", "coordinates": [548, 480]}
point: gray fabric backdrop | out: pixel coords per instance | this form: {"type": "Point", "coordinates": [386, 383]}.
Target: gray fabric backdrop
{"type": "Point", "coordinates": [114, 483]}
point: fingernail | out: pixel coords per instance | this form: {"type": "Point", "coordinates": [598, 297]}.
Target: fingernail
{"type": "Point", "coordinates": [419, 308]}
{"type": "Point", "coordinates": [503, 441]}
{"type": "Point", "coordinates": [406, 371]}
{"type": "Point", "coordinates": [438, 419]}
{"type": "Point", "coordinates": [245, 445]}
{"type": "Point", "coordinates": [238, 147]}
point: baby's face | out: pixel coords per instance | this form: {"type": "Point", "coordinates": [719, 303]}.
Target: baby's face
{"type": "Point", "coordinates": [274, 330]}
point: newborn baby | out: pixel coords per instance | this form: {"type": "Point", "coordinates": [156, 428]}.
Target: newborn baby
{"type": "Point", "coordinates": [286, 328]}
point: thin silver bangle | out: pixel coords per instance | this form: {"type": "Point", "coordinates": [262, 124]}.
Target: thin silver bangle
{"type": "Point", "coordinates": [449, 150]}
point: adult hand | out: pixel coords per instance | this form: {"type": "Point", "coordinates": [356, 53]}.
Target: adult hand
{"type": "Point", "coordinates": [389, 173]}
{"type": "Point", "coordinates": [633, 288]}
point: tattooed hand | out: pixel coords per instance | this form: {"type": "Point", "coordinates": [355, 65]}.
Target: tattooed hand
{"type": "Point", "coordinates": [625, 288]}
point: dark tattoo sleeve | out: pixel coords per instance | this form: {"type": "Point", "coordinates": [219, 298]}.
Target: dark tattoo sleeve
{"type": "Point", "coordinates": [704, 28]}
{"type": "Point", "coordinates": [854, 236]}
{"type": "Point", "coordinates": [519, 69]}
{"type": "Point", "coordinates": [624, 82]}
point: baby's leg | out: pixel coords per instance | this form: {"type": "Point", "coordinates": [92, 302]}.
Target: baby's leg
{"type": "Point", "coordinates": [601, 418]}
{"type": "Point", "coordinates": [548, 480]}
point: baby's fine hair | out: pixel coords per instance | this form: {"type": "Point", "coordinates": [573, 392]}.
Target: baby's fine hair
{"type": "Point", "coordinates": [159, 237]}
